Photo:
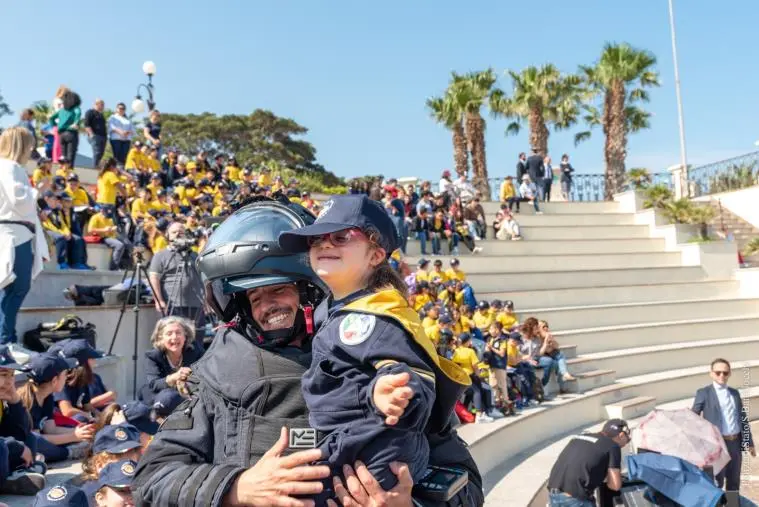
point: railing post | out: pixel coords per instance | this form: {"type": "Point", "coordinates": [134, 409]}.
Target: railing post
{"type": "Point", "coordinates": [679, 185]}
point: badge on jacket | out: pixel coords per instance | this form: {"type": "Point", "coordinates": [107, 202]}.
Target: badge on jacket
{"type": "Point", "coordinates": [355, 328]}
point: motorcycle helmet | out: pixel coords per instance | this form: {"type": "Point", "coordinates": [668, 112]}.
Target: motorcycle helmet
{"type": "Point", "coordinates": [243, 254]}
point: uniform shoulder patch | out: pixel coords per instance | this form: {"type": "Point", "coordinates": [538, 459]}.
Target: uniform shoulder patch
{"type": "Point", "coordinates": [356, 328]}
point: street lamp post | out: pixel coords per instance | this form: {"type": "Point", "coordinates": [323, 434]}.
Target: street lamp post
{"type": "Point", "coordinates": [138, 106]}
{"type": "Point", "coordinates": [681, 120]}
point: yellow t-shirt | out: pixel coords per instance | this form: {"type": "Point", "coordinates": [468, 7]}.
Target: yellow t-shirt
{"type": "Point", "coordinates": [234, 172]}
{"type": "Point", "coordinates": [160, 206]}
{"type": "Point", "coordinates": [455, 274]}
{"type": "Point", "coordinates": [63, 172]}
{"type": "Point", "coordinates": [483, 321]}
{"type": "Point", "coordinates": [458, 297]}
{"type": "Point", "coordinates": [433, 333]}
{"type": "Point", "coordinates": [107, 189]}
{"type": "Point", "coordinates": [428, 322]}
{"type": "Point", "coordinates": [140, 208]}
{"type": "Point", "coordinates": [467, 323]}
{"type": "Point", "coordinates": [420, 300]}
{"type": "Point", "coordinates": [507, 191]}
{"type": "Point", "coordinates": [422, 276]}
{"type": "Point", "coordinates": [159, 243]}
{"type": "Point", "coordinates": [79, 196]}
{"type": "Point", "coordinates": [38, 175]}
{"type": "Point", "coordinates": [438, 276]}
{"type": "Point", "coordinates": [100, 221]}
{"type": "Point", "coordinates": [508, 320]}
{"type": "Point", "coordinates": [134, 160]}
{"type": "Point", "coordinates": [154, 188]}
{"type": "Point", "coordinates": [466, 358]}
{"type": "Point", "coordinates": [264, 180]}
{"type": "Point", "coordinates": [513, 357]}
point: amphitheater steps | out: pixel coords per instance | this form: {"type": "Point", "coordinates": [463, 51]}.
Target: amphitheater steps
{"type": "Point", "coordinates": [591, 379]}
{"type": "Point", "coordinates": [630, 408]}
{"type": "Point", "coordinates": [47, 289]}
{"type": "Point", "coordinates": [555, 233]}
{"type": "Point", "coordinates": [549, 247]}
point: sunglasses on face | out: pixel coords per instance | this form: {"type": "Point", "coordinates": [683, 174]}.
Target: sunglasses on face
{"type": "Point", "coordinates": [721, 373]}
{"type": "Point", "coordinates": [339, 238]}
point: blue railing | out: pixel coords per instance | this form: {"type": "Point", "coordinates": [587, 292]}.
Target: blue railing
{"type": "Point", "coordinates": [585, 187]}
{"type": "Point", "coordinates": [731, 174]}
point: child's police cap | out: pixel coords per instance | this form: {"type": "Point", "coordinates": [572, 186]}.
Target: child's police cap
{"type": "Point", "coordinates": [45, 367]}
{"type": "Point", "coordinates": [116, 438]}
{"type": "Point", "coordinates": [345, 212]}
{"type": "Point", "coordinates": [61, 495]}
{"type": "Point", "coordinates": [118, 475]}
{"type": "Point", "coordinates": [422, 262]}
{"type": "Point", "coordinates": [445, 319]}
{"type": "Point", "coordinates": [7, 360]}
{"type": "Point", "coordinates": [166, 401]}
{"type": "Point", "coordinates": [80, 349]}
{"type": "Point", "coordinates": [138, 415]}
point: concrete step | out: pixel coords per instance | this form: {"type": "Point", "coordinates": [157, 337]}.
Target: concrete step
{"type": "Point", "coordinates": [587, 231]}
{"type": "Point", "coordinates": [521, 479]}
{"type": "Point", "coordinates": [553, 297]}
{"type": "Point", "coordinates": [499, 447]}
{"type": "Point", "coordinates": [564, 220]}
{"type": "Point", "coordinates": [47, 289]}
{"type": "Point", "coordinates": [560, 208]}
{"type": "Point", "coordinates": [569, 350]}
{"type": "Point", "coordinates": [615, 338]}
{"type": "Point", "coordinates": [631, 407]}
{"type": "Point", "coordinates": [550, 247]}
{"type": "Point", "coordinates": [534, 280]}
{"type": "Point", "coordinates": [592, 379]}
{"type": "Point", "coordinates": [631, 313]}
{"type": "Point", "coordinates": [650, 359]}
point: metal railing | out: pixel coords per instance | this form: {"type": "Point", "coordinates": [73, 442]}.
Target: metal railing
{"type": "Point", "coordinates": [585, 187]}
{"type": "Point", "coordinates": [726, 175]}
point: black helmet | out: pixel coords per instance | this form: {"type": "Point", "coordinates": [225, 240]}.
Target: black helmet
{"type": "Point", "coordinates": [243, 253]}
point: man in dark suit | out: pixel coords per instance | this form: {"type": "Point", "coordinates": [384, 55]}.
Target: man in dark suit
{"type": "Point", "coordinates": [535, 168]}
{"type": "Point", "coordinates": [521, 166]}
{"type": "Point", "coordinates": [722, 406]}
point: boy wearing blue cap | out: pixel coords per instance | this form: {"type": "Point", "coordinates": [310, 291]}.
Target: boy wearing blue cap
{"type": "Point", "coordinates": [113, 443]}
{"type": "Point", "coordinates": [74, 400]}
{"type": "Point", "coordinates": [368, 331]}
{"type": "Point", "coordinates": [115, 484]}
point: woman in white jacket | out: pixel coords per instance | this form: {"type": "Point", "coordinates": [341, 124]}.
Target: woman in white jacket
{"type": "Point", "coordinates": [23, 248]}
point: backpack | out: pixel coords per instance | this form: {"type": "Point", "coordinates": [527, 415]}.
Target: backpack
{"type": "Point", "coordinates": [46, 334]}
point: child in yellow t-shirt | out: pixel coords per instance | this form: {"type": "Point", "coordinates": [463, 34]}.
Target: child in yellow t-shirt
{"type": "Point", "coordinates": [437, 274]}
{"type": "Point", "coordinates": [507, 317]}
{"type": "Point", "coordinates": [482, 317]}
{"type": "Point", "coordinates": [42, 174]}
{"type": "Point", "coordinates": [454, 273]}
{"type": "Point", "coordinates": [421, 271]}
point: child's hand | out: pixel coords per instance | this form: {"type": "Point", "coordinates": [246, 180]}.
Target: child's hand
{"type": "Point", "coordinates": [391, 396]}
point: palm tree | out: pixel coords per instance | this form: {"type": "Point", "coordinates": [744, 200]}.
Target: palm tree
{"type": "Point", "coordinates": [443, 110]}
{"type": "Point", "coordinates": [620, 77]}
{"type": "Point", "coordinates": [468, 94]}
{"type": "Point", "coordinates": [542, 96]}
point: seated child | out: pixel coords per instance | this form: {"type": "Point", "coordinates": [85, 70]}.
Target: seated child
{"type": "Point", "coordinates": [115, 484]}
{"type": "Point", "coordinates": [369, 335]}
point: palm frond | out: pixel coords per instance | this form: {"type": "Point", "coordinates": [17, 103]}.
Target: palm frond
{"type": "Point", "coordinates": [513, 128]}
{"type": "Point", "coordinates": [581, 137]}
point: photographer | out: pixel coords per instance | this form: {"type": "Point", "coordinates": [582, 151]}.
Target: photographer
{"type": "Point", "coordinates": [176, 282]}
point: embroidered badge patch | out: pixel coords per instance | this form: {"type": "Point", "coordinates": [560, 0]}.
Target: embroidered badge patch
{"type": "Point", "coordinates": [120, 435]}
{"type": "Point", "coordinates": [127, 469]}
{"type": "Point", "coordinates": [356, 328]}
{"type": "Point", "coordinates": [56, 493]}
{"type": "Point", "coordinates": [325, 208]}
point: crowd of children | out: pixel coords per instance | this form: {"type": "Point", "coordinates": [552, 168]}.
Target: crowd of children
{"type": "Point", "coordinates": [487, 339]}
{"type": "Point", "coordinates": [61, 412]}
{"type": "Point", "coordinates": [133, 205]}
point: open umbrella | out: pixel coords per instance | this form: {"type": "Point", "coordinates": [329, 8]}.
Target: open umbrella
{"type": "Point", "coordinates": [675, 478]}
{"type": "Point", "coordinates": [683, 434]}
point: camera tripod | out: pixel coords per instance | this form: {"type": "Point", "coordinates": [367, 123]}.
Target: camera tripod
{"type": "Point", "coordinates": [137, 272]}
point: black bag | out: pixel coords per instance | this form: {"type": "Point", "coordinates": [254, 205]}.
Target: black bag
{"type": "Point", "coordinates": [44, 335]}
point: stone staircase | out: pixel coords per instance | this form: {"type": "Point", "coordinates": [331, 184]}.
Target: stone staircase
{"type": "Point", "coordinates": [637, 317]}
{"type": "Point", "coordinates": [741, 230]}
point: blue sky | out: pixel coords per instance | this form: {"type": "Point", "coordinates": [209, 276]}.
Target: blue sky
{"type": "Point", "coordinates": [357, 73]}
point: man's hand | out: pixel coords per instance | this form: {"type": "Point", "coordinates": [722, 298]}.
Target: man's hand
{"type": "Point", "coordinates": [160, 306]}
{"type": "Point", "coordinates": [274, 480]}
{"type": "Point", "coordinates": [84, 432]}
{"type": "Point", "coordinates": [27, 456]}
{"type": "Point", "coordinates": [391, 396]}
{"type": "Point", "coordinates": [363, 490]}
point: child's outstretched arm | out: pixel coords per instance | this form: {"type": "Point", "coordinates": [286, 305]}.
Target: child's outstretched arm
{"type": "Point", "coordinates": [402, 394]}
{"type": "Point", "coordinates": [391, 396]}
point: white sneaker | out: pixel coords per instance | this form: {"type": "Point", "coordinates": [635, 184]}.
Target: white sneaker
{"type": "Point", "coordinates": [495, 414]}
{"type": "Point", "coordinates": [538, 212]}
{"type": "Point", "coordinates": [482, 417]}
{"type": "Point", "coordinates": [477, 249]}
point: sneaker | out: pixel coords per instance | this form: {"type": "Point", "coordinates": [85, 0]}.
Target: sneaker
{"type": "Point", "coordinates": [37, 467]}
{"type": "Point", "coordinates": [517, 238]}
{"type": "Point", "coordinates": [24, 483]}
{"type": "Point", "coordinates": [63, 265]}
{"type": "Point", "coordinates": [495, 414]}
{"type": "Point", "coordinates": [477, 249]}
{"type": "Point", "coordinates": [567, 377]}
{"type": "Point", "coordinates": [79, 450]}
{"type": "Point", "coordinates": [482, 417]}
{"type": "Point", "coordinates": [538, 212]}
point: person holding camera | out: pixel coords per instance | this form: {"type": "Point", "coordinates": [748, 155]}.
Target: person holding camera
{"type": "Point", "coordinates": [177, 289]}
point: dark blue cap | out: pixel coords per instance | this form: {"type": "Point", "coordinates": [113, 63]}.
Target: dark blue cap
{"type": "Point", "coordinates": [48, 193]}
{"type": "Point", "coordinates": [446, 332]}
{"type": "Point", "coordinates": [80, 349]}
{"type": "Point", "coordinates": [509, 304]}
{"type": "Point", "coordinates": [64, 196]}
{"type": "Point", "coordinates": [166, 401]}
{"type": "Point", "coordinates": [496, 303]}
{"type": "Point", "coordinates": [138, 415]}
{"type": "Point", "coordinates": [118, 475]}
{"type": "Point", "coordinates": [464, 337]}
{"type": "Point", "coordinates": [345, 212]}
{"type": "Point", "coordinates": [428, 306]}
{"type": "Point", "coordinates": [61, 495]}
{"type": "Point", "coordinates": [45, 367]}
{"type": "Point", "coordinates": [7, 360]}
{"type": "Point", "coordinates": [445, 319]}
{"type": "Point", "coordinates": [116, 439]}
{"type": "Point", "coordinates": [515, 336]}
{"type": "Point", "coordinates": [422, 262]}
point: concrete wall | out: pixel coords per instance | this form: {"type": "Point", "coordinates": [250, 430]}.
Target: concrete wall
{"type": "Point", "coordinates": [742, 203]}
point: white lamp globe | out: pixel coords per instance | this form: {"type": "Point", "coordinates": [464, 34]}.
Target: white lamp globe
{"type": "Point", "coordinates": [148, 68]}
{"type": "Point", "coordinates": [138, 106]}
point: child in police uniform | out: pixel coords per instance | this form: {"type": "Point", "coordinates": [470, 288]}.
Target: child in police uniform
{"type": "Point", "coordinates": [369, 331]}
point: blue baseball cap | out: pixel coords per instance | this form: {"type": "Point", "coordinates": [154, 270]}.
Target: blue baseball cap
{"type": "Point", "coordinates": [116, 438]}
{"type": "Point", "coordinates": [345, 212]}
{"type": "Point", "coordinates": [138, 415]}
{"type": "Point", "coordinates": [166, 401]}
{"type": "Point", "coordinates": [79, 349]}
{"type": "Point", "coordinates": [61, 495]}
{"type": "Point", "coordinates": [46, 366]}
{"type": "Point", "coordinates": [118, 475]}
{"type": "Point", "coordinates": [445, 319]}
{"type": "Point", "coordinates": [7, 360]}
